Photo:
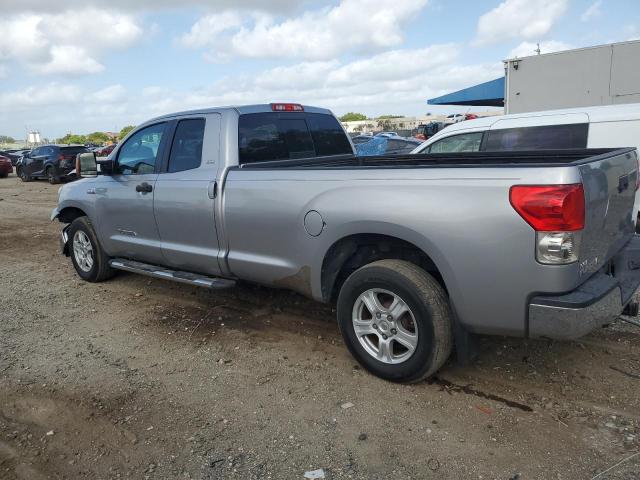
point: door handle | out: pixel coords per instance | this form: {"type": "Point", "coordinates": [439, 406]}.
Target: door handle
{"type": "Point", "coordinates": [212, 190]}
{"type": "Point", "coordinates": [144, 188]}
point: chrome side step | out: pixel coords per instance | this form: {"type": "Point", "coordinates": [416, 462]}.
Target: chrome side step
{"type": "Point", "coordinates": [164, 273]}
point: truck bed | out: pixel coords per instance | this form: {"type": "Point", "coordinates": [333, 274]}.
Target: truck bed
{"type": "Point", "coordinates": [537, 158]}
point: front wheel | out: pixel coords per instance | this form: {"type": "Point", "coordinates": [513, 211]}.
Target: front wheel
{"type": "Point", "coordinates": [396, 320]}
{"type": "Point", "coordinates": [23, 175]}
{"type": "Point", "coordinates": [89, 259]}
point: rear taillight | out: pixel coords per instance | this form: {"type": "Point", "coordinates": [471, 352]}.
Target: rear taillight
{"type": "Point", "coordinates": [287, 107]}
{"type": "Point", "coordinates": [556, 213]}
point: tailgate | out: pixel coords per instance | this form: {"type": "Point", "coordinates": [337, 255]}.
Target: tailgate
{"type": "Point", "coordinates": [609, 187]}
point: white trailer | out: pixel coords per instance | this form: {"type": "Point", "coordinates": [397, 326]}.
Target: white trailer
{"type": "Point", "coordinates": [601, 75]}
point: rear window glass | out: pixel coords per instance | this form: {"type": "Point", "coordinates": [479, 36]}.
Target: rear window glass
{"type": "Point", "coordinates": [186, 149]}
{"type": "Point", "coordinates": [281, 136]}
{"type": "Point", "coordinates": [546, 137]}
{"type": "Point", "coordinates": [73, 150]}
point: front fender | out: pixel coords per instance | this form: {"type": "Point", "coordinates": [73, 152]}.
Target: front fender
{"type": "Point", "coordinates": [55, 213]}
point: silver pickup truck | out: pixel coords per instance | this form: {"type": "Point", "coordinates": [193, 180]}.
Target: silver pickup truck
{"type": "Point", "coordinates": [418, 252]}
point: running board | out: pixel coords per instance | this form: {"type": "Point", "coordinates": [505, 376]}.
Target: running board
{"type": "Point", "coordinates": [164, 273]}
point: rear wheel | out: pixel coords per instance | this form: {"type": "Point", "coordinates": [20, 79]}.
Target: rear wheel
{"type": "Point", "coordinates": [396, 320]}
{"type": "Point", "coordinates": [51, 176]}
{"type": "Point", "coordinates": [88, 257]}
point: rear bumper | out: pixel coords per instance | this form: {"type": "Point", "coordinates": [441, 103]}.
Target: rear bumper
{"type": "Point", "coordinates": [595, 303]}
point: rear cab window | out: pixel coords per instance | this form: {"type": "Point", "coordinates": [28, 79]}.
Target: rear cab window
{"type": "Point", "coordinates": [270, 136]}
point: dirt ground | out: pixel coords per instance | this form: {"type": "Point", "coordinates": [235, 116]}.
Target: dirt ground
{"type": "Point", "coordinates": [146, 379]}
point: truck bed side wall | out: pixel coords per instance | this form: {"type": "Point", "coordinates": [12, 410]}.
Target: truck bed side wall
{"type": "Point", "coordinates": [462, 219]}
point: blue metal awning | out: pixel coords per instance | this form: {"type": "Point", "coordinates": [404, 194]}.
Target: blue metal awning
{"type": "Point", "coordinates": [487, 94]}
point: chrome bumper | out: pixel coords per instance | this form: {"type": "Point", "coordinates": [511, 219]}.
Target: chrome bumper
{"type": "Point", "coordinates": [595, 303]}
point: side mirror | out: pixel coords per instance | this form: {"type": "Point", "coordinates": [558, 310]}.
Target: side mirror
{"type": "Point", "coordinates": [86, 165]}
{"type": "Point", "coordinates": [106, 166]}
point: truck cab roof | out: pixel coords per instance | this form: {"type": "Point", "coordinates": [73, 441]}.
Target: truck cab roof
{"type": "Point", "coordinates": [240, 109]}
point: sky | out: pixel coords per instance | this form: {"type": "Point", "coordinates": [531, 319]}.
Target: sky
{"type": "Point", "coordinates": [93, 65]}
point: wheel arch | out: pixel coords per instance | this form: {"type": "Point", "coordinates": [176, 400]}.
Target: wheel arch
{"type": "Point", "coordinates": [69, 214]}
{"type": "Point", "coordinates": [352, 251]}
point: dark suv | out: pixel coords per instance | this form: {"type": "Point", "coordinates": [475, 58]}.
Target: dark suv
{"type": "Point", "coordinates": [52, 162]}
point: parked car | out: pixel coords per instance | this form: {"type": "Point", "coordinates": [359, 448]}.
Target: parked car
{"type": "Point", "coordinates": [385, 146]}
{"type": "Point", "coordinates": [606, 126]}
{"type": "Point", "coordinates": [53, 162]}
{"type": "Point", "coordinates": [5, 167]}
{"type": "Point", "coordinates": [415, 252]}
{"type": "Point", "coordinates": [455, 118]}
{"type": "Point", "coordinates": [386, 134]}
{"type": "Point", "coordinates": [14, 155]}
{"type": "Point", "coordinates": [428, 130]}
{"type": "Point", "coordinates": [105, 151]}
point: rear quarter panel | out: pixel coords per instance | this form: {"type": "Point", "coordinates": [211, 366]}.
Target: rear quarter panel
{"type": "Point", "coordinates": [460, 217]}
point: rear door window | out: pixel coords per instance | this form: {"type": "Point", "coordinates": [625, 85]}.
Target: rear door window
{"type": "Point", "coordinates": [547, 137]}
{"type": "Point", "coordinates": [186, 149]}
{"type": "Point", "coordinates": [281, 136]}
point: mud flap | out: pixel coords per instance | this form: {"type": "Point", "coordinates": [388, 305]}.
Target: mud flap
{"type": "Point", "coordinates": [64, 241]}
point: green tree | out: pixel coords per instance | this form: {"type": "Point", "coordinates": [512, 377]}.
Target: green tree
{"type": "Point", "coordinates": [71, 138]}
{"type": "Point", "coordinates": [98, 137]}
{"type": "Point", "coordinates": [388, 117]}
{"type": "Point", "coordinates": [7, 139]}
{"type": "Point", "coordinates": [123, 133]}
{"type": "Point", "coordinates": [352, 117]}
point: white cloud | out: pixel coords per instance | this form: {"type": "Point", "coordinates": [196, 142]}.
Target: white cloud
{"type": "Point", "coordinates": [396, 81]}
{"type": "Point", "coordinates": [631, 32]}
{"type": "Point", "coordinates": [69, 59]}
{"type": "Point", "coordinates": [526, 49]}
{"type": "Point", "coordinates": [40, 96]}
{"type": "Point", "coordinates": [391, 82]}
{"type": "Point", "coordinates": [592, 12]}
{"type": "Point", "coordinates": [109, 95]}
{"type": "Point", "coordinates": [137, 5]}
{"type": "Point", "coordinates": [526, 19]}
{"type": "Point", "coordinates": [65, 43]}
{"type": "Point", "coordinates": [321, 34]}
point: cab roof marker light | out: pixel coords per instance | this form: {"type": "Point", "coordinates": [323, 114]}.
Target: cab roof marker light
{"type": "Point", "coordinates": [287, 107]}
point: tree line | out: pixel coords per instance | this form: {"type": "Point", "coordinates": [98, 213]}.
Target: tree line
{"type": "Point", "coordinates": [95, 137]}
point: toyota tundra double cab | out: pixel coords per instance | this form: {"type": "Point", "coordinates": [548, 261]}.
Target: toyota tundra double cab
{"type": "Point", "coordinates": [416, 251]}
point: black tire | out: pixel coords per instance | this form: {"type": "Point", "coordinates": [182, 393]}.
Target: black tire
{"type": "Point", "coordinates": [51, 176]}
{"type": "Point", "coordinates": [429, 307]}
{"type": "Point", "coordinates": [100, 269]}
{"type": "Point", "coordinates": [4, 175]}
{"type": "Point", "coordinates": [23, 175]}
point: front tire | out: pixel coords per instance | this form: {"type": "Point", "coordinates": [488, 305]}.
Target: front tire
{"type": "Point", "coordinates": [88, 257]}
{"type": "Point", "coordinates": [23, 175]}
{"type": "Point", "coordinates": [396, 320]}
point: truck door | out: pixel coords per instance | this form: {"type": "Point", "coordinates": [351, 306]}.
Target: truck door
{"type": "Point", "coordinates": [186, 193]}
{"type": "Point", "coordinates": [124, 200]}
